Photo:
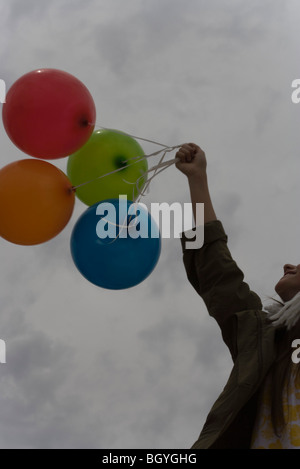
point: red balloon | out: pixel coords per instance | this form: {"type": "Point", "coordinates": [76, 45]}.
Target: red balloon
{"type": "Point", "coordinates": [48, 113]}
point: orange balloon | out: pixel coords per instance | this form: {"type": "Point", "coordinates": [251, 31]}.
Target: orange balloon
{"type": "Point", "coordinates": [36, 201]}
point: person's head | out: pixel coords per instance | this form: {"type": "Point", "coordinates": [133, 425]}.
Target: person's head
{"type": "Point", "coordinates": [289, 285]}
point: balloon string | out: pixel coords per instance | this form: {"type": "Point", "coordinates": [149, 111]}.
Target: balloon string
{"type": "Point", "coordinates": [166, 163]}
{"type": "Point", "coordinates": [103, 175]}
{"type": "Point", "coordinates": [161, 165]}
{"type": "Point", "coordinates": [129, 135]}
{"type": "Point", "coordinates": [136, 158]}
{"type": "Point", "coordinates": [141, 192]}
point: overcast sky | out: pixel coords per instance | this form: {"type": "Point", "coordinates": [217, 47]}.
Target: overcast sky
{"type": "Point", "coordinates": [140, 368]}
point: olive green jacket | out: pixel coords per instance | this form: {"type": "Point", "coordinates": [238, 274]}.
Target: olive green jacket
{"type": "Point", "coordinates": [245, 330]}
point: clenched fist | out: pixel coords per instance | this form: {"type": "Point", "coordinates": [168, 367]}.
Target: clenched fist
{"type": "Point", "coordinates": [192, 160]}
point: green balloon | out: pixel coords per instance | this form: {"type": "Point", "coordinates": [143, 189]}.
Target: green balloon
{"type": "Point", "coordinates": [106, 151]}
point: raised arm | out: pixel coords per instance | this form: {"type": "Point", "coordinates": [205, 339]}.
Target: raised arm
{"type": "Point", "coordinates": [211, 269]}
{"type": "Point", "coordinates": [193, 164]}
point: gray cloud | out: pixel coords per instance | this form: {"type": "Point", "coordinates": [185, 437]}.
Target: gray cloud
{"type": "Point", "coordinates": [88, 367]}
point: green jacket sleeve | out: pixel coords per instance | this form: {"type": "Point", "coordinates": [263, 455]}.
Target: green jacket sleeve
{"type": "Point", "coordinates": [218, 280]}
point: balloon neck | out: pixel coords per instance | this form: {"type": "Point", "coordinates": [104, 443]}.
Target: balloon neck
{"type": "Point", "coordinates": [84, 122]}
{"type": "Point", "coordinates": [120, 162]}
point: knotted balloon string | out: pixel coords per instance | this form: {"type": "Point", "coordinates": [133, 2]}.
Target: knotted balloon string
{"type": "Point", "coordinates": [140, 191]}
{"type": "Point", "coordinates": [137, 159]}
{"type": "Point", "coordinates": [135, 203]}
{"type": "Point", "coordinates": [163, 165]}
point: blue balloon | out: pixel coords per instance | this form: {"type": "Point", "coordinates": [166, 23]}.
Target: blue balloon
{"type": "Point", "coordinates": [115, 244]}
